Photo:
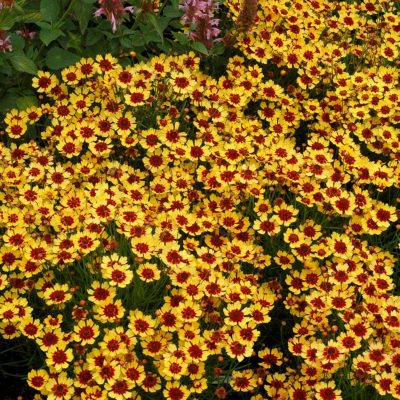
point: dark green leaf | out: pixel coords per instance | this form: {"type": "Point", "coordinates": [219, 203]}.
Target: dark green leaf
{"type": "Point", "coordinates": [49, 9]}
{"type": "Point", "coordinates": [156, 24]}
{"type": "Point", "coordinates": [18, 42]}
{"type": "Point", "coordinates": [152, 37]}
{"type": "Point", "coordinates": [165, 48]}
{"type": "Point", "coordinates": [74, 41]}
{"type": "Point", "coordinates": [7, 101]}
{"type": "Point", "coordinates": [83, 13]}
{"type": "Point", "coordinates": [22, 63]}
{"type": "Point", "coordinates": [93, 36]}
{"type": "Point", "coordinates": [218, 48]}
{"type": "Point", "coordinates": [48, 35]}
{"type": "Point", "coordinates": [58, 58]}
{"type": "Point", "coordinates": [200, 47]}
{"type": "Point", "coordinates": [43, 25]}
{"type": "Point", "coordinates": [31, 17]}
{"type": "Point", "coordinates": [27, 101]}
{"type": "Point", "coordinates": [126, 43]}
{"type": "Point", "coordinates": [137, 39]}
{"type": "Point", "coordinates": [181, 38]}
{"type": "Point", "coordinates": [8, 17]}
{"type": "Point", "coordinates": [172, 12]}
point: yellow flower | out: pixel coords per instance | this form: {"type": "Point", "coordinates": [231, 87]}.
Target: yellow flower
{"type": "Point", "coordinates": [58, 359]}
{"type": "Point", "coordinates": [59, 387]}
{"type": "Point", "coordinates": [85, 332]}
{"type": "Point", "coordinates": [37, 379]}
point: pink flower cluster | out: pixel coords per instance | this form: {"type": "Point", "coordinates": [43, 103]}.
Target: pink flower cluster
{"type": "Point", "coordinates": [199, 14]}
{"type": "Point", "coordinates": [113, 10]}
{"type": "Point", "coordinates": [5, 42]}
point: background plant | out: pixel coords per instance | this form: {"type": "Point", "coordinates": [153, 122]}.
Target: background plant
{"type": "Point", "coordinates": [42, 34]}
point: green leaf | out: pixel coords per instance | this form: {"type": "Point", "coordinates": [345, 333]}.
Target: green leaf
{"type": "Point", "coordinates": [218, 48]}
{"type": "Point", "coordinates": [8, 101]}
{"type": "Point", "coordinates": [152, 37]}
{"type": "Point", "coordinates": [83, 13]}
{"type": "Point", "coordinates": [172, 12]}
{"type": "Point", "coordinates": [137, 39]}
{"type": "Point", "coordinates": [18, 42]}
{"type": "Point", "coordinates": [93, 36]}
{"type": "Point", "coordinates": [43, 25]}
{"type": "Point", "coordinates": [74, 41]}
{"type": "Point", "coordinates": [8, 17]}
{"type": "Point", "coordinates": [126, 43]}
{"type": "Point", "coordinates": [154, 21]}
{"type": "Point", "coordinates": [58, 58]}
{"type": "Point", "coordinates": [200, 47]}
{"type": "Point", "coordinates": [49, 9]}
{"type": "Point", "coordinates": [22, 63]}
{"type": "Point", "coordinates": [31, 17]}
{"type": "Point", "coordinates": [181, 38]}
{"type": "Point", "coordinates": [27, 101]}
{"type": "Point", "coordinates": [49, 35]}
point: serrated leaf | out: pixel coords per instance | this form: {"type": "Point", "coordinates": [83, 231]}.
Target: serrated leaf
{"type": "Point", "coordinates": [27, 101]}
{"type": "Point", "coordinates": [157, 26]}
{"type": "Point", "coordinates": [22, 63]}
{"type": "Point", "coordinates": [58, 58]}
{"type": "Point", "coordinates": [200, 47]}
{"type": "Point", "coordinates": [49, 9]}
{"type": "Point", "coordinates": [48, 35]}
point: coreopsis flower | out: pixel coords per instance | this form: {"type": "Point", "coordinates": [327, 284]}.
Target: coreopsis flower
{"type": "Point", "coordinates": [243, 381]}
{"type": "Point", "coordinates": [174, 390]}
{"type": "Point", "coordinates": [58, 359]}
{"type": "Point", "coordinates": [85, 332]}
{"type": "Point", "coordinates": [59, 387]}
{"type": "Point", "coordinates": [114, 11]}
{"type": "Point", "coordinates": [327, 390]}
{"type": "Point", "coordinates": [148, 272]}
{"type": "Point", "coordinates": [37, 379]}
{"type": "Point", "coordinates": [141, 324]}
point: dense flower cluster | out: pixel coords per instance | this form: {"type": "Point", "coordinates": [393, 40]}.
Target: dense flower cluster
{"type": "Point", "coordinates": [165, 215]}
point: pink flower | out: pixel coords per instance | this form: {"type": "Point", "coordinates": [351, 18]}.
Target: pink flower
{"type": "Point", "coordinates": [5, 43]}
{"type": "Point", "coordinates": [26, 34]}
{"type": "Point", "coordinates": [200, 15]}
{"type": "Point", "coordinates": [6, 3]}
{"type": "Point", "coordinates": [113, 10]}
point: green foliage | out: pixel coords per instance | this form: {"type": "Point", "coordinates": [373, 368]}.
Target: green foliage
{"type": "Point", "coordinates": [66, 30]}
